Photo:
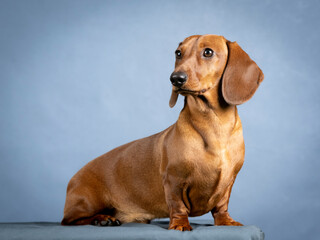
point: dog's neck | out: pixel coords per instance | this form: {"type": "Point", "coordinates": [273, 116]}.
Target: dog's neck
{"type": "Point", "coordinates": [210, 116]}
{"type": "Point", "coordinates": [210, 102]}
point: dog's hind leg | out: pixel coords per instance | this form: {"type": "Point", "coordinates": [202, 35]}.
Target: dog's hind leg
{"type": "Point", "coordinates": [97, 220]}
{"type": "Point", "coordinates": [88, 205]}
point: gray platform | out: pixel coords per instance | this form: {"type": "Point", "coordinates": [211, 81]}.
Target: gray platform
{"type": "Point", "coordinates": [156, 230]}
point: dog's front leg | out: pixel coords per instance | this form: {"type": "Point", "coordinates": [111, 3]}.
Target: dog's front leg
{"type": "Point", "coordinates": [220, 212]}
{"type": "Point", "coordinates": [175, 193]}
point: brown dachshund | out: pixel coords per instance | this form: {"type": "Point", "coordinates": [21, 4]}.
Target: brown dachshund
{"type": "Point", "coordinates": [187, 169]}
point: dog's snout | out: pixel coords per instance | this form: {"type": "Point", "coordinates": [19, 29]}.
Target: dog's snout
{"type": "Point", "coordinates": [178, 78]}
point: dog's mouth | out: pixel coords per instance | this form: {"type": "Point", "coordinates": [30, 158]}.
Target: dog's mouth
{"type": "Point", "coordinates": [184, 91]}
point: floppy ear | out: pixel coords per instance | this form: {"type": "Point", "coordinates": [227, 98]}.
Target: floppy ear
{"type": "Point", "coordinates": [173, 98]}
{"type": "Point", "coordinates": [241, 76]}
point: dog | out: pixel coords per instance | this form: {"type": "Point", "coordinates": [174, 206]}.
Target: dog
{"type": "Point", "coordinates": [189, 168]}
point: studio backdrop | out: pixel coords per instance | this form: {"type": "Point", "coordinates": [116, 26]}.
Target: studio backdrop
{"type": "Point", "coordinates": [79, 78]}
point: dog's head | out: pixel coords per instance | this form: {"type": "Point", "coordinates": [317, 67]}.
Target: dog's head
{"type": "Point", "coordinates": [209, 61]}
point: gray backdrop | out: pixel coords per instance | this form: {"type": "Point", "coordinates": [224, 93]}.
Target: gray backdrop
{"type": "Point", "coordinates": [79, 78]}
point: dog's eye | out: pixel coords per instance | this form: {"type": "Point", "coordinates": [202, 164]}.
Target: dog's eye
{"type": "Point", "coordinates": [208, 52]}
{"type": "Point", "coordinates": [178, 54]}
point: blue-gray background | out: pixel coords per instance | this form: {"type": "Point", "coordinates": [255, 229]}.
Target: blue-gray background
{"type": "Point", "coordinates": [79, 78]}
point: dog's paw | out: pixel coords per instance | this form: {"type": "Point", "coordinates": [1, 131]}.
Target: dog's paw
{"type": "Point", "coordinates": [105, 220]}
{"type": "Point", "coordinates": [184, 227]}
{"type": "Point", "coordinates": [225, 220]}
{"type": "Point", "coordinates": [180, 223]}
{"type": "Point", "coordinates": [228, 223]}
{"type": "Point", "coordinates": [235, 223]}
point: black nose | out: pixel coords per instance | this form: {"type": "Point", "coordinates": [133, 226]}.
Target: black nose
{"type": "Point", "coordinates": [178, 78]}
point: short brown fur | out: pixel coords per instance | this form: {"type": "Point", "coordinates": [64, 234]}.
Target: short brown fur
{"type": "Point", "coordinates": [189, 168]}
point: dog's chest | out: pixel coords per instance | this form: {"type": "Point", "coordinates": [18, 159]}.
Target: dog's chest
{"type": "Point", "coordinates": [212, 156]}
{"type": "Point", "coordinates": [210, 181]}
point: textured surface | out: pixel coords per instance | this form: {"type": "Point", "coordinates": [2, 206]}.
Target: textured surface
{"type": "Point", "coordinates": [155, 230]}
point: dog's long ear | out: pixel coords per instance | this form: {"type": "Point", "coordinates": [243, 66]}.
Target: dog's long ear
{"type": "Point", "coordinates": [241, 76]}
{"type": "Point", "coordinates": [173, 98]}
